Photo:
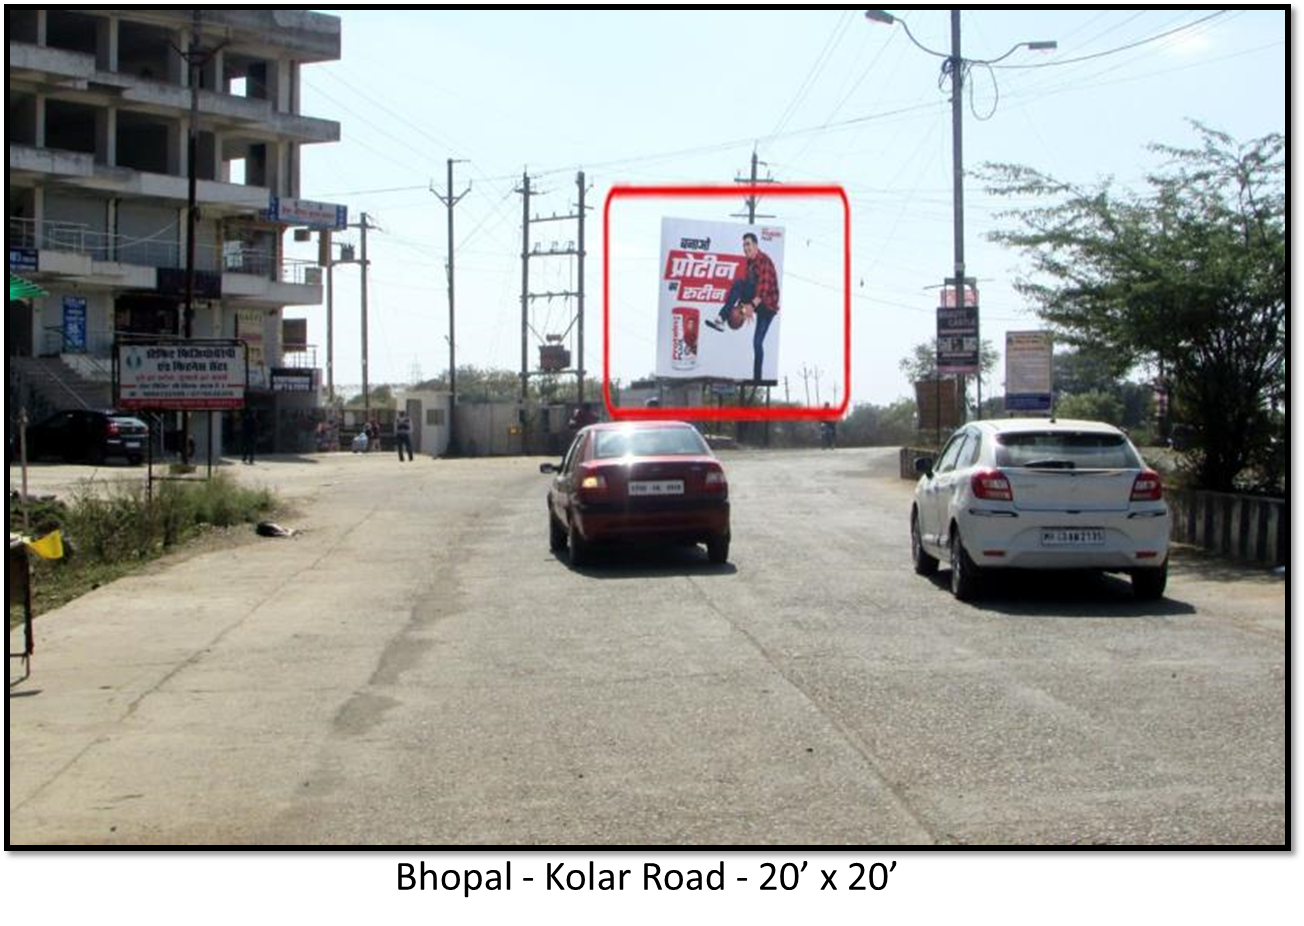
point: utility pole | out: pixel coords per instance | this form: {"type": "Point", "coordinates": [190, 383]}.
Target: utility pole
{"type": "Point", "coordinates": [753, 180]}
{"type": "Point", "coordinates": [195, 58]}
{"type": "Point", "coordinates": [954, 66]}
{"type": "Point", "coordinates": [572, 249]}
{"type": "Point", "coordinates": [805, 381]}
{"type": "Point", "coordinates": [450, 201]}
{"type": "Point", "coordinates": [579, 361]}
{"type": "Point", "coordinates": [525, 285]}
{"type": "Point", "coordinates": [366, 391]}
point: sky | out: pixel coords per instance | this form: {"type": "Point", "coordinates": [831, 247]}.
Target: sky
{"type": "Point", "coordinates": [684, 97]}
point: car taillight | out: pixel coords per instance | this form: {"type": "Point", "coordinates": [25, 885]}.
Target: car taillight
{"type": "Point", "coordinates": [593, 482]}
{"type": "Point", "coordinates": [111, 428]}
{"type": "Point", "coordinates": [715, 481]}
{"type": "Point", "coordinates": [992, 485]}
{"type": "Point", "coordinates": [1148, 487]}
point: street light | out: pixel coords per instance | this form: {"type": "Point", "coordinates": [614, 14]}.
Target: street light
{"type": "Point", "coordinates": [954, 66]}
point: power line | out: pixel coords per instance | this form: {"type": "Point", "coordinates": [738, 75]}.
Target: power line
{"type": "Point", "coordinates": [1112, 51]}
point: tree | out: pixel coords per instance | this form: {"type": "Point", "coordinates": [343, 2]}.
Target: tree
{"type": "Point", "coordinates": [1090, 372]}
{"type": "Point", "coordinates": [1093, 406]}
{"type": "Point", "coordinates": [379, 396]}
{"type": "Point", "coordinates": [1189, 278]}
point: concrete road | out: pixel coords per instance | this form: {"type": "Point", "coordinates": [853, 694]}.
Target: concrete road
{"type": "Point", "coordinates": [417, 668]}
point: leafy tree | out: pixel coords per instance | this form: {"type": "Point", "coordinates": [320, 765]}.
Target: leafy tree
{"type": "Point", "coordinates": [1093, 406]}
{"type": "Point", "coordinates": [1189, 278]}
{"type": "Point", "coordinates": [1086, 371]}
{"type": "Point", "coordinates": [381, 396]}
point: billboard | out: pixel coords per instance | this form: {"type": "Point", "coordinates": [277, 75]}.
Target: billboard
{"type": "Point", "coordinates": [957, 332]}
{"type": "Point", "coordinates": [1028, 371]}
{"type": "Point", "coordinates": [712, 322]}
{"type": "Point", "coordinates": [181, 375]}
{"type": "Point", "coordinates": [307, 213]}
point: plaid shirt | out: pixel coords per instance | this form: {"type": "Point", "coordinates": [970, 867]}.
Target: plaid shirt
{"type": "Point", "coordinates": [761, 270]}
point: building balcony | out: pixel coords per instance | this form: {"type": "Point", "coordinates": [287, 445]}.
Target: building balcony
{"type": "Point", "coordinates": [30, 164]}
{"type": "Point", "coordinates": [253, 276]}
{"type": "Point", "coordinates": [52, 70]}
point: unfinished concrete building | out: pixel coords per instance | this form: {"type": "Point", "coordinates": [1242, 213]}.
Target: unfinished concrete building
{"type": "Point", "coordinates": [100, 112]}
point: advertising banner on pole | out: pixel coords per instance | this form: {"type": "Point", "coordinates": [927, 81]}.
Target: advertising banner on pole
{"type": "Point", "coordinates": [74, 324]}
{"type": "Point", "coordinates": [1028, 366]}
{"type": "Point", "coordinates": [957, 332]}
{"type": "Point", "coordinates": [719, 300]}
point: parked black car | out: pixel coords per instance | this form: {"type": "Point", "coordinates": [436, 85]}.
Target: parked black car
{"type": "Point", "coordinates": [88, 436]}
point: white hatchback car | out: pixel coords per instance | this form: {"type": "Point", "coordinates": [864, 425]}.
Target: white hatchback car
{"type": "Point", "coordinates": [1036, 493]}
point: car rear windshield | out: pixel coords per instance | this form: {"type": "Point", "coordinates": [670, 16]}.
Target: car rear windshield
{"type": "Point", "coordinates": [1066, 450]}
{"type": "Point", "coordinates": [649, 442]}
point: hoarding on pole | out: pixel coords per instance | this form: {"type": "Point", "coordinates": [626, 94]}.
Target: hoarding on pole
{"type": "Point", "coordinates": [957, 332]}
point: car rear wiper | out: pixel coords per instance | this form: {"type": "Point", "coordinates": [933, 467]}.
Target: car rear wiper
{"type": "Point", "coordinates": [1050, 463]}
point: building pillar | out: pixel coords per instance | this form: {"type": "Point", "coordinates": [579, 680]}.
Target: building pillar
{"type": "Point", "coordinates": [38, 110]}
{"type": "Point", "coordinates": [106, 136]}
{"type": "Point", "coordinates": [178, 70]}
{"type": "Point", "coordinates": [40, 27]}
{"type": "Point", "coordinates": [106, 44]}
{"type": "Point", "coordinates": [178, 160]}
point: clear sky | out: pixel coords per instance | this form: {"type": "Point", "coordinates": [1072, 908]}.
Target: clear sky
{"type": "Point", "coordinates": [684, 97]}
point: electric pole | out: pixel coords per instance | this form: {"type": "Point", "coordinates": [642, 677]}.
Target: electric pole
{"type": "Point", "coordinates": [571, 249]}
{"type": "Point", "coordinates": [195, 58]}
{"type": "Point", "coordinates": [525, 285]}
{"type": "Point", "coordinates": [366, 392]}
{"type": "Point", "coordinates": [579, 361]}
{"type": "Point", "coordinates": [450, 201]}
{"type": "Point", "coordinates": [954, 66]}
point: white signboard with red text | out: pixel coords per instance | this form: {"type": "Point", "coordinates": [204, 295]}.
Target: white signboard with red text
{"type": "Point", "coordinates": [194, 375]}
{"type": "Point", "coordinates": [700, 262]}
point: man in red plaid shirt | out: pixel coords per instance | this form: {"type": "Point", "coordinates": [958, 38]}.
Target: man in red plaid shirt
{"type": "Point", "coordinates": [756, 293]}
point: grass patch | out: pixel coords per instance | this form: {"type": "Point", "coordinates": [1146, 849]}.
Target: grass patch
{"type": "Point", "coordinates": [112, 533]}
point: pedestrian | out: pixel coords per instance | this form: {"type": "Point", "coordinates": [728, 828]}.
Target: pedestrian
{"type": "Point", "coordinates": [248, 435]}
{"type": "Point", "coordinates": [828, 432]}
{"type": "Point", "coordinates": [582, 417]}
{"type": "Point", "coordinates": [373, 434]}
{"type": "Point", "coordinates": [755, 295]}
{"type": "Point", "coordinates": [403, 435]}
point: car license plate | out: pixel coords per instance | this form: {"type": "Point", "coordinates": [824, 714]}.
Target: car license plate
{"type": "Point", "coordinates": [1072, 537]}
{"type": "Point", "coordinates": [664, 487]}
{"type": "Point", "coordinates": [131, 444]}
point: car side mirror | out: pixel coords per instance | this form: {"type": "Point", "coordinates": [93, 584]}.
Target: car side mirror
{"type": "Point", "coordinates": [924, 466]}
{"type": "Point", "coordinates": [549, 468]}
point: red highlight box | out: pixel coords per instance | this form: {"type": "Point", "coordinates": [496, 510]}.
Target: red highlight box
{"type": "Point", "coordinates": [729, 412]}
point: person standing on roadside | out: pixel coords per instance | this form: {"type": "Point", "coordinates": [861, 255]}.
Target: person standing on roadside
{"type": "Point", "coordinates": [403, 435]}
{"type": "Point", "coordinates": [248, 435]}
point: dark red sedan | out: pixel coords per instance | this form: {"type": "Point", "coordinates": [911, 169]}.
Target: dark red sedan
{"type": "Point", "coordinates": [646, 480]}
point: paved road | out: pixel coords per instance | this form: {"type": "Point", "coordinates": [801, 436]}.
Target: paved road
{"type": "Point", "coordinates": [417, 668]}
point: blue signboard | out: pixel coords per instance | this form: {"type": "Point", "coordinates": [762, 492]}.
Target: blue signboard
{"type": "Point", "coordinates": [23, 259]}
{"type": "Point", "coordinates": [1028, 402]}
{"type": "Point", "coordinates": [308, 214]}
{"type": "Point", "coordinates": [74, 324]}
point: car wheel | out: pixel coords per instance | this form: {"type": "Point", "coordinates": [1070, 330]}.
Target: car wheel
{"type": "Point", "coordinates": [717, 549]}
{"type": "Point", "coordinates": [1149, 584]}
{"type": "Point", "coordinates": [925, 565]}
{"type": "Point", "coordinates": [964, 574]}
{"type": "Point", "coordinates": [135, 459]}
{"type": "Point", "coordinates": [580, 550]}
{"type": "Point", "coordinates": [97, 456]}
{"type": "Point", "coordinates": [556, 533]}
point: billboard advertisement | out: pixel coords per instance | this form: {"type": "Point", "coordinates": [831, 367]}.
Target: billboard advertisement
{"type": "Point", "coordinates": [1028, 366]}
{"type": "Point", "coordinates": [957, 332]}
{"type": "Point", "coordinates": [720, 300]}
{"type": "Point", "coordinates": [179, 375]}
